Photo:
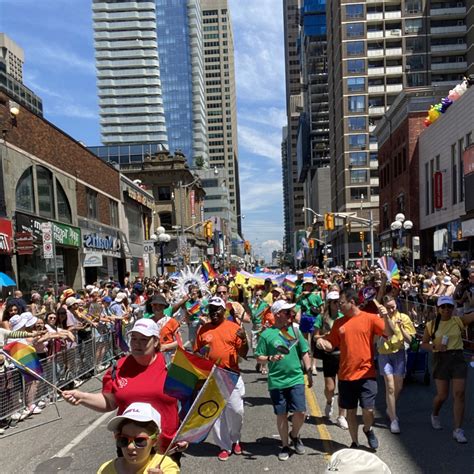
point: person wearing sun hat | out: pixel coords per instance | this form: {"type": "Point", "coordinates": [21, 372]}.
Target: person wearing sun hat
{"type": "Point", "coordinates": [136, 433]}
{"type": "Point", "coordinates": [444, 337]}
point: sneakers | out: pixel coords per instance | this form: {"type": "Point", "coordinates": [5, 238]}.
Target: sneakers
{"type": "Point", "coordinates": [458, 435]}
{"type": "Point", "coordinates": [395, 427]}
{"type": "Point", "coordinates": [78, 383]}
{"type": "Point", "coordinates": [16, 416]}
{"type": "Point", "coordinates": [371, 438]}
{"type": "Point", "coordinates": [342, 423]}
{"type": "Point", "coordinates": [297, 444]}
{"type": "Point", "coordinates": [284, 454]}
{"type": "Point", "coordinates": [24, 414]}
{"type": "Point", "coordinates": [223, 455]}
{"type": "Point", "coordinates": [41, 404]}
{"type": "Point", "coordinates": [237, 449]}
{"type": "Point", "coordinates": [328, 409]}
{"type": "Point", "coordinates": [435, 423]}
{"type": "Point", "coordinates": [35, 410]}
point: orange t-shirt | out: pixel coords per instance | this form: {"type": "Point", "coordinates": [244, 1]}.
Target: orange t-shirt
{"type": "Point", "coordinates": [355, 338]}
{"type": "Point", "coordinates": [268, 319]}
{"type": "Point", "coordinates": [220, 343]}
{"type": "Point", "coordinates": [170, 333]}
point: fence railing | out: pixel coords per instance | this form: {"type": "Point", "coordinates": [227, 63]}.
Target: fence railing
{"type": "Point", "coordinates": [86, 359]}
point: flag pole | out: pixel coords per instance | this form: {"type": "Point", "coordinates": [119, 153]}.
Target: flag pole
{"type": "Point", "coordinates": [168, 449]}
{"type": "Point", "coordinates": [29, 371]}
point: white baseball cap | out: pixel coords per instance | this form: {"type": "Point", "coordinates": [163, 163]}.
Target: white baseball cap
{"type": "Point", "coordinates": [71, 300]}
{"type": "Point", "coordinates": [120, 297]}
{"type": "Point", "coordinates": [216, 301]}
{"type": "Point", "coordinates": [333, 295]}
{"type": "Point", "coordinates": [147, 327]}
{"type": "Point", "coordinates": [137, 411]}
{"type": "Point", "coordinates": [281, 305]}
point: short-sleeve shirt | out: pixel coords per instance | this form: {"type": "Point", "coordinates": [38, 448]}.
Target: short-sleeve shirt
{"type": "Point", "coordinates": [451, 328]}
{"type": "Point", "coordinates": [168, 466]}
{"type": "Point", "coordinates": [396, 341]}
{"type": "Point", "coordinates": [326, 326]}
{"type": "Point", "coordinates": [135, 383]}
{"type": "Point", "coordinates": [310, 303]}
{"type": "Point", "coordinates": [286, 372]}
{"type": "Point", "coordinates": [220, 343]}
{"type": "Point", "coordinates": [354, 336]}
{"type": "Point", "coordinates": [258, 312]}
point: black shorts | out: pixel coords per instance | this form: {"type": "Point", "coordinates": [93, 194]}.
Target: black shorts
{"type": "Point", "coordinates": [330, 364]}
{"type": "Point", "coordinates": [354, 392]}
{"type": "Point", "coordinates": [449, 365]}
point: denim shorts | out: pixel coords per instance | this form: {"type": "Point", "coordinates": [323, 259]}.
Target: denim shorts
{"type": "Point", "coordinates": [287, 400]}
{"type": "Point", "coordinates": [393, 364]}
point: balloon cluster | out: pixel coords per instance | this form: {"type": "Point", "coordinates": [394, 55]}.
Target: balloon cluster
{"type": "Point", "coordinates": [454, 94]}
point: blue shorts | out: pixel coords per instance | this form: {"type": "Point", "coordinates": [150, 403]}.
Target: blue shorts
{"type": "Point", "coordinates": [354, 392]}
{"type": "Point", "coordinates": [393, 364]}
{"type": "Point", "coordinates": [287, 400]}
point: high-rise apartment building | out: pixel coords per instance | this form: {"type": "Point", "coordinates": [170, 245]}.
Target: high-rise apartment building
{"type": "Point", "coordinates": [13, 56]}
{"type": "Point", "coordinates": [221, 99]}
{"type": "Point", "coordinates": [294, 200]}
{"type": "Point", "coordinates": [375, 49]}
{"type": "Point", "coordinates": [128, 72]}
{"type": "Point", "coordinates": [180, 48]}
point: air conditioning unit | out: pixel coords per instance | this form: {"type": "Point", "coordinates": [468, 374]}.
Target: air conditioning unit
{"type": "Point", "coordinates": [396, 32]}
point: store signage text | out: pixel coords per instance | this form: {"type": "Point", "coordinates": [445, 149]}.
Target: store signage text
{"type": "Point", "coordinates": [106, 243]}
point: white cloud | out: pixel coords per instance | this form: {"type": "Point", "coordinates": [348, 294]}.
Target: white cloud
{"type": "Point", "coordinates": [260, 143]}
{"type": "Point", "coordinates": [73, 110]}
{"type": "Point", "coordinates": [258, 195]}
{"type": "Point", "coordinates": [269, 116]}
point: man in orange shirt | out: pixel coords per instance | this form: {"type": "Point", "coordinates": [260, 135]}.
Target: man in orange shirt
{"type": "Point", "coordinates": [223, 341]}
{"type": "Point", "coordinates": [354, 334]}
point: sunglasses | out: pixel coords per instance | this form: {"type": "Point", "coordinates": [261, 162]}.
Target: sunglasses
{"type": "Point", "coordinates": [446, 306]}
{"type": "Point", "coordinates": [139, 442]}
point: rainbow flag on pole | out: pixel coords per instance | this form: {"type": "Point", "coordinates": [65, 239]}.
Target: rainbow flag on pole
{"type": "Point", "coordinates": [208, 271]}
{"type": "Point", "coordinates": [195, 308]}
{"type": "Point", "coordinates": [207, 406]}
{"type": "Point", "coordinates": [25, 356]}
{"type": "Point", "coordinates": [287, 338]}
{"type": "Point", "coordinates": [184, 374]}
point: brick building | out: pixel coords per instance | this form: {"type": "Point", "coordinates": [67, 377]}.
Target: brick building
{"type": "Point", "coordinates": [47, 176]}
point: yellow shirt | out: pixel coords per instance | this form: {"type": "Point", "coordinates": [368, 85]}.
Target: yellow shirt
{"type": "Point", "coordinates": [452, 328]}
{"type": "Point", "coordinates": [168, 466]}
{"type": "Point", "coordinates": [395, 342]}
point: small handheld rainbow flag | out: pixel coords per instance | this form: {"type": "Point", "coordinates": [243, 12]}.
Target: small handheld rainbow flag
{"type": "Point", "coordinates": [288, 284]}
{"type": "Point", "coordinates": [207, 271]}
{"type": "Point", "coordinates": [287, 338]}
{"type": "Point", "coordinates": [25, 356]}
{"type": "Point", "coordinates": [194, 309]}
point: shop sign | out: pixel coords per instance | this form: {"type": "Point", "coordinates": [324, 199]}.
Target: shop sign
{"type": "Point", "coordinates": [6, 237]}
{"type": "Point", "coordinates": [192, 198]}
{"type": "Point", "coordinates": [438, 190]}
{"type": "Point", "coordinates": [136, 196]}
{"type": "Point", "coordinates": [63, 234]}
{"type": "Point", "coordinates": [104, 243]}
{"type": "Point", "coordinates": [93, 259]}
{"type": "Point", "coordinates": [24, 243]}
{"type": "Point", "coordinates": [47, 230]}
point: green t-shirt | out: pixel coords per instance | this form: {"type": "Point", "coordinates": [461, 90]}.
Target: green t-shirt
{"type": "Point", "coordinates": [319, 322]}
{"type": "Point", "coordinates": [194, 314]}
{"type": "Point", "coordinates": [298, 288]}
{"type": "Point", "coordinates": [286, 372]}
{"type": "Point", "coordinates": [257, 312]}
{"type": "Point", "coordinates": [167, 312]}
{"type": "Point", "coordinates": [310, 303]}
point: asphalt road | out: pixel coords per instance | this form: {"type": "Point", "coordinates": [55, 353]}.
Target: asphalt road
{"type": "Point", "coordinates": [77, 441]}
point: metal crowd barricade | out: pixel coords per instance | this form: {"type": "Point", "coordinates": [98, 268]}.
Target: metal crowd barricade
{"type": "Point", "coordinates": [86, 359]}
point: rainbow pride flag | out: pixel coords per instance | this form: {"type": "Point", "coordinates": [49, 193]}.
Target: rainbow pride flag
{"type": "Point", "coordinates": [195, 308]}
{"type": "Point", "coordinates": [208, 271]}
{"type": "Point", "coordinates": [26, 356]}
{"type": "Point", "coordinates": [185, 373]}
{"type": "Point", "coordinates": [287, 338]}
{"type": "Point", "coordinates": [289, 284]}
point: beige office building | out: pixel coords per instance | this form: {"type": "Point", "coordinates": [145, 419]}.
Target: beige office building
{"type": "Point", "coordinates": [13, 56]}
{"type": "Point", "coordinates": [221, 102]}
{"type": "Point", "coordinates": [375, 49]}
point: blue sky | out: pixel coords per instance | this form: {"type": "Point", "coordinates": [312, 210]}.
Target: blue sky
{"type": "Point", "coordinates": [56, 36]}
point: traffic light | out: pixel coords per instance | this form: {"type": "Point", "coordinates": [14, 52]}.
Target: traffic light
{"type": "Point", "coordinates": [329, 221]}
{"type": "Point", "coordinates": [247, 247]}
{"type": "Point", "coordinates": [362, 236]}
{"type": "Point", "coordinates": [208, 230]}
{"type": "Point", "coordinates": [348, 227]}
{"type": "Point", "coordinates": [311, 243]}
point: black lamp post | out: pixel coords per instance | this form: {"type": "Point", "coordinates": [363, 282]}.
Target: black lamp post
{"type": "Point", "coordinates": [161, 238]}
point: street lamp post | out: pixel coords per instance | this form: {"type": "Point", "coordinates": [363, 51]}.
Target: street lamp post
{"type": "Point", "coordinates": [400, 224]}
{"type": "Point", "coordinates": [161, 238]}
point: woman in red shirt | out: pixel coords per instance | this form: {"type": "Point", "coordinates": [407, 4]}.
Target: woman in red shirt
{"type": "Point", "coordinates": [138, 377]}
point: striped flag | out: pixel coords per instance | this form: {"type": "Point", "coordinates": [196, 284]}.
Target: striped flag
{"type": "Point", "coordinates": [207, 406]}
{"type": "Point", "coordinates": [25, 356]}
{"type": "Point", "coordinates": [195, 308]}
{"type": "Point", "coordinates": [208, 271]}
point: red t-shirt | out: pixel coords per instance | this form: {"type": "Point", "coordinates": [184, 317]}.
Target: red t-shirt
{"type": "Point", "coordinates": [355, 338]}
{"type": "Point", "coordinates": [136, 383]}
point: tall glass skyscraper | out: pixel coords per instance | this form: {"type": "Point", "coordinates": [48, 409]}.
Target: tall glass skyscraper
{"type": "Point", "coordinates": [128, 72]}
{"type": "Point", "coordinates": [180, 50]}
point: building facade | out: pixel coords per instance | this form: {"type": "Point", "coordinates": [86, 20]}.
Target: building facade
{"type": "Point", "coordinates": [128, 73]}
{"type": "Point", "coordinates": [294, 216]}
{"type": "Point", "coordinates": [221, 101]}
{"type": "Point", "coordinates": [180, 48]}
{"type": "Point", "coordinates": [13, 56]}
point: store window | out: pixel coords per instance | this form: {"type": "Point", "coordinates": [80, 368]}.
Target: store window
{"type": "Point", "coordinates": [44, 179]}
{"type": "Point", "coordinates": [64, 209]}
{"type": "Point", "coordinates": [25, 198]}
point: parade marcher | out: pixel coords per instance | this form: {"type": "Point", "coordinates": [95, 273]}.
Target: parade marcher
{"type": "Point", "coordinates": [443, 336]}
{"type": "Point", "coordinates": [286, 377]}
{"type": "Point", "coordinates": [392, 357]}
{"type": "Point", "coordinates": [223, 342]}
{"type": "Point", "coordinates": [257, 310]}
{"type": "Point", "coordinates": [129, 381]}
{"type": "Point", "coordinates": [354, 334]}
{"type": "Point", "coordinates": [194, 308]}
{"type": "Point", "coordinates": [136, 432]}
{"type": "Point", "coordinates": [323, 325]}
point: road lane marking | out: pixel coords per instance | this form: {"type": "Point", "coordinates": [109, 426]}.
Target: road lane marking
{"type": "Point", "coordinates": [315, 411]}
{"type": "Point", "coordinates": [82, 435]}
